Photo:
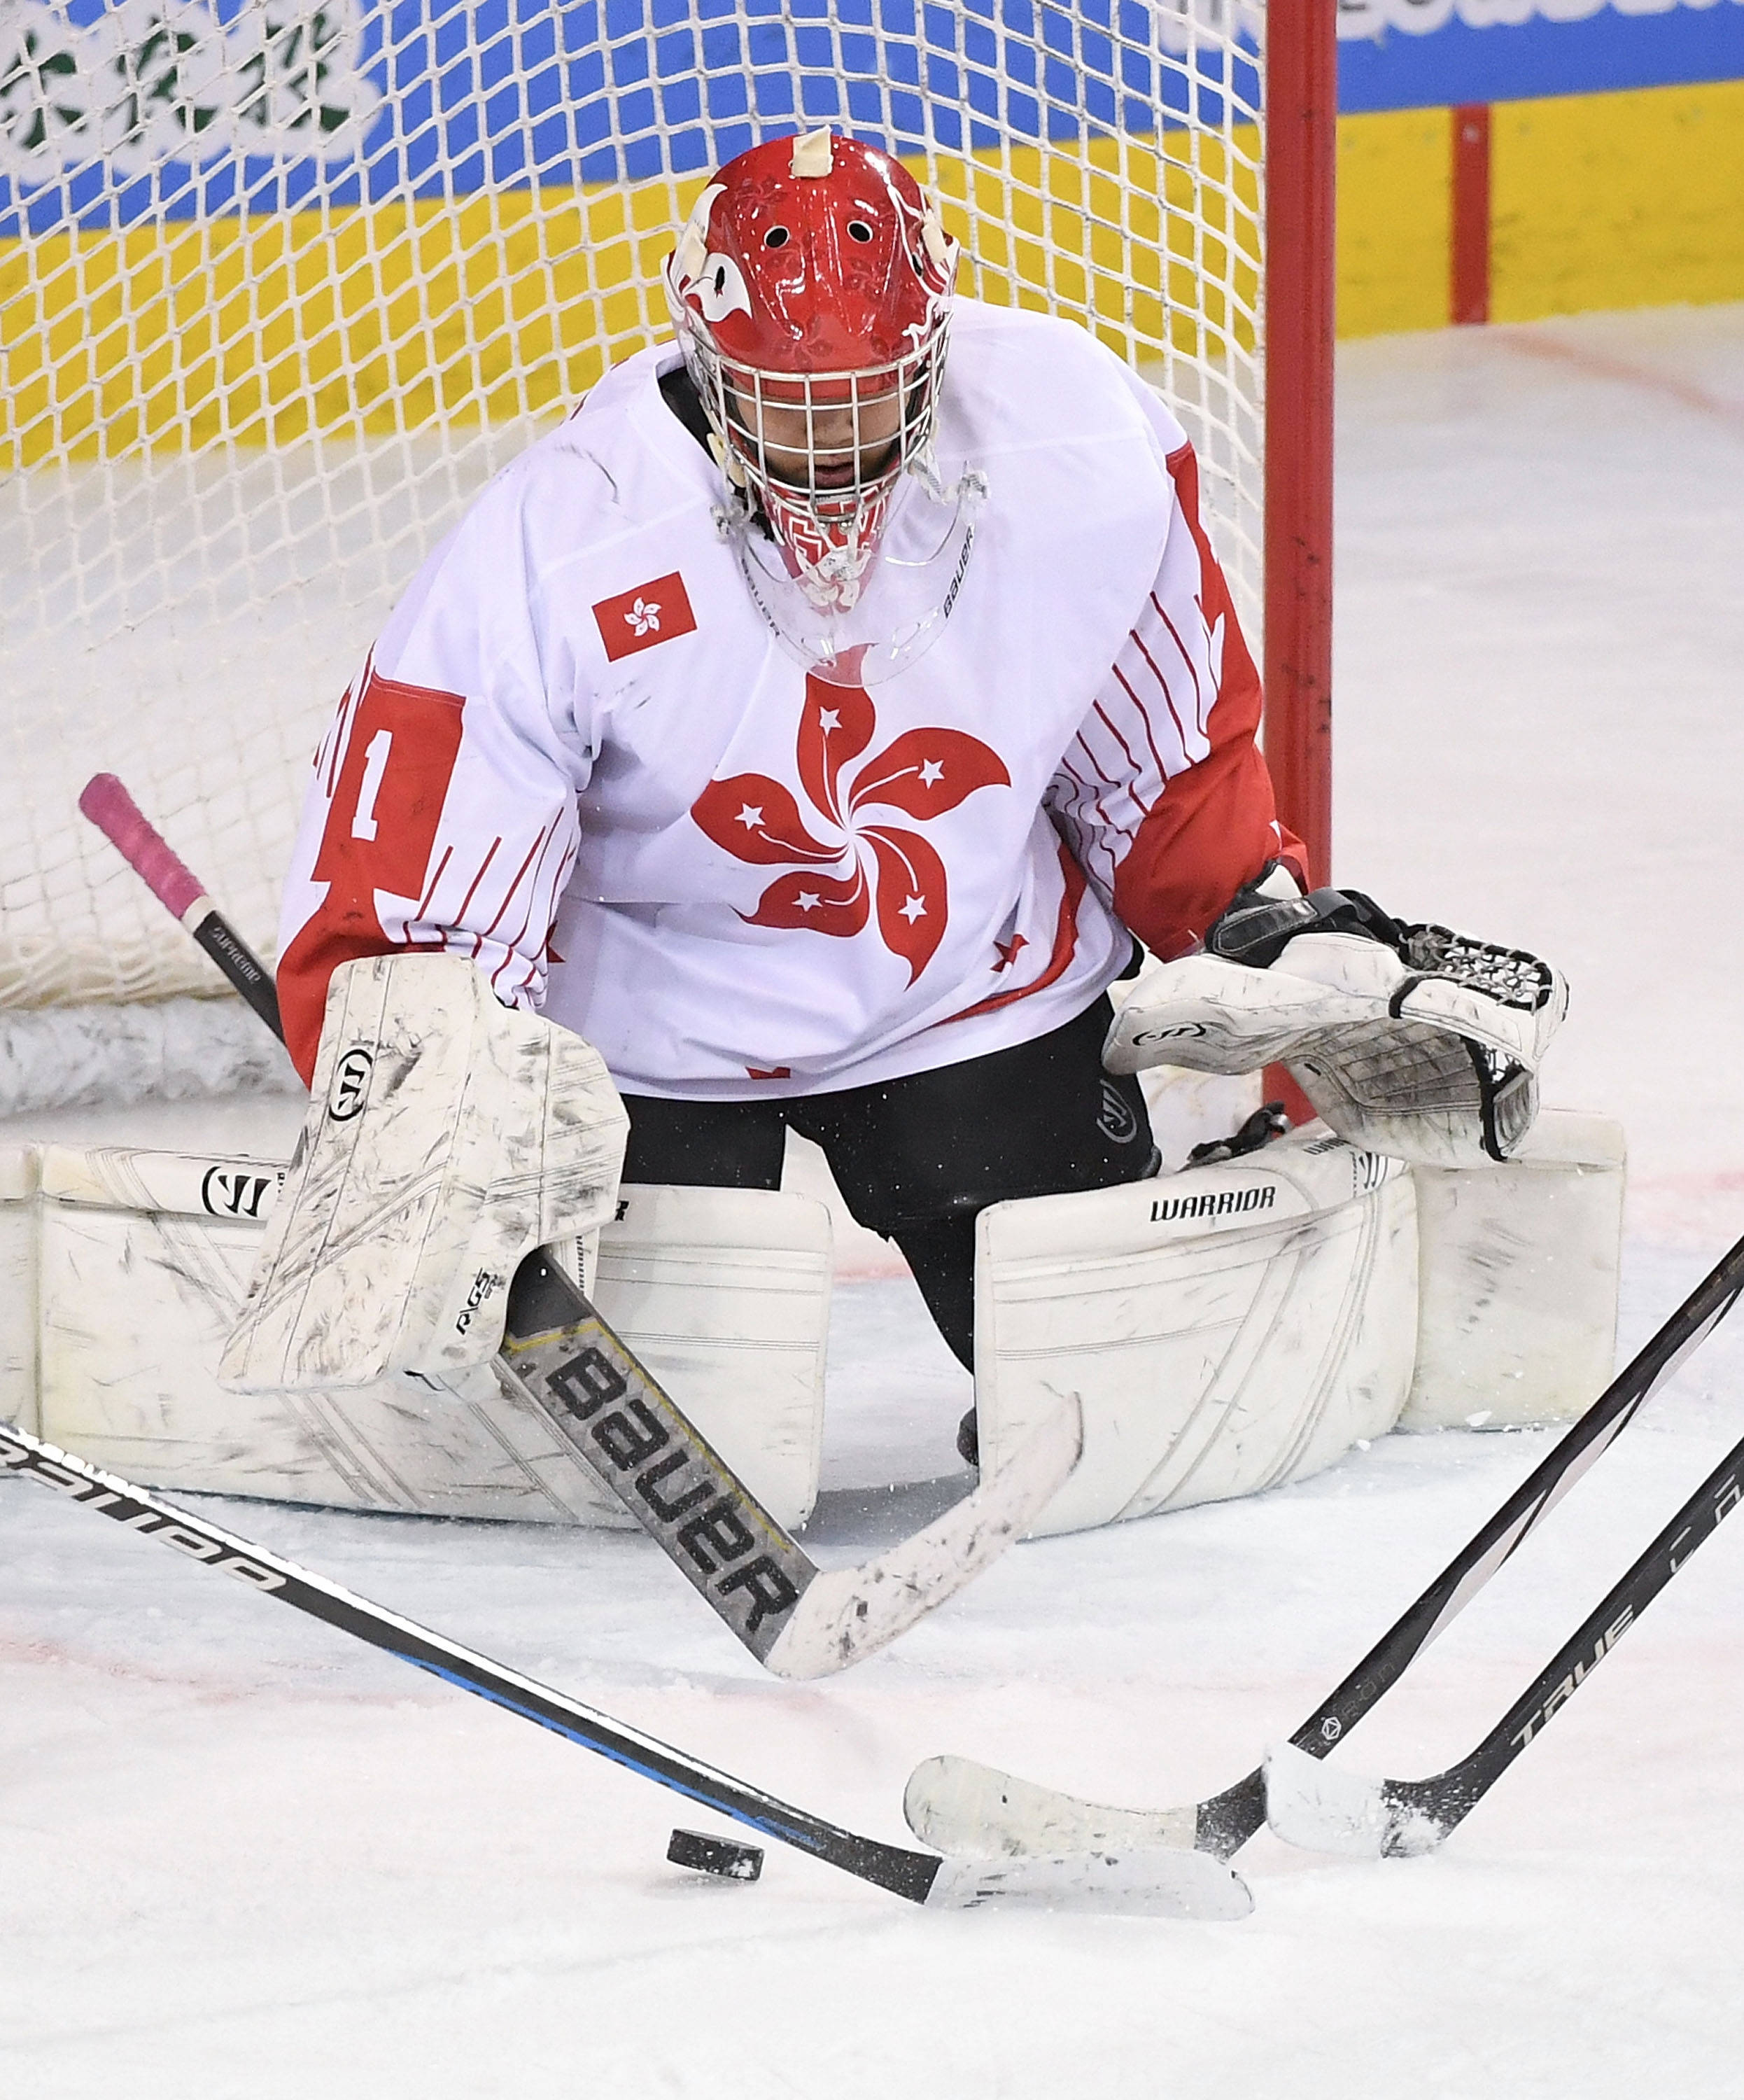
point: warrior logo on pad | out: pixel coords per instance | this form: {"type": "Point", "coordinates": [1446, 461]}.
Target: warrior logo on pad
{"type": "Point", "coordinates": [652, 613]}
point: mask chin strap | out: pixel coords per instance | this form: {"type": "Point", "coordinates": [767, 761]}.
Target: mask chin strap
{"type": "Point", "coordinates": [877, 633]}
{"type": "Point", "coordinates": [833, 583]}
{"type": "Point", "coordinates": [836, 580]}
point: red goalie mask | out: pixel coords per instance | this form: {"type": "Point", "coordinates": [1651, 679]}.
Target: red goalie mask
{"type": "Point", "coordinates": [810, 292]}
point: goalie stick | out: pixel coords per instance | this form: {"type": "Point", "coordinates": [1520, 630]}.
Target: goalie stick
{"type": "Point", "coordinates": [798, 1620]}
{"type": "Point", "coordinates": [1155, 1883]}
{"type": "Point", "coordinates": [119, 817]}
{"type": "Point", "coordinates": [964, 1807]}
{"type": "Point", "coordinates": [1327, 1809]}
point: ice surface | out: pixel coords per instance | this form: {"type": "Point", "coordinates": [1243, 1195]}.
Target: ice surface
{"type": "Point", "coordinates": [1539, 651]}
{"type": "Point", "coordinates": [240, 1857]}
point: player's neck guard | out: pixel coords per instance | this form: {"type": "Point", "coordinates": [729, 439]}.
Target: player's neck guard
{"type": "Point", "coordinates": [908, 587]}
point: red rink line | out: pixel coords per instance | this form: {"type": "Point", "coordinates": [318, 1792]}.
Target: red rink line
{"type": "Point", "coordinates": [870, 1265]}
{"type": "Point", "coordinates": [29, 1653]}
{"type": "Point", "coordinates": [301, 1680]}
{"type": "Point", "coordinates": [1702, 1210]}
{"type": "Point", "coordinates": [1595, 364]}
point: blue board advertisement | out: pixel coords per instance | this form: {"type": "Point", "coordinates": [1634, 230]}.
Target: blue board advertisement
{"type": "Point", "coordinates": [1425, 54]}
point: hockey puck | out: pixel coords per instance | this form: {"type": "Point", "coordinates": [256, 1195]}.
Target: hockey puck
{"type": "Point", "coordinates": [720, 1856]}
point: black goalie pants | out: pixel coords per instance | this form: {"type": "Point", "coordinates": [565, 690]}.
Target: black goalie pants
{"type": "Point", "coordinates": [915, 1159]}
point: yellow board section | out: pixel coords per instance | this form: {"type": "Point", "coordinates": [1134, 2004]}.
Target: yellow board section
{"type": "Point", "coordinates": [1626, 200]}
{"type": "Point", "coordinates": [1395, 183]}
{"type": "Point", "coordinates": [367, 322]}
{"type": "Point", "coordinates": [396, 318]}
{"type": "Point", "coordinates": [1145, 247]}
{"type": "Point", "coordinates": [1630, 199]}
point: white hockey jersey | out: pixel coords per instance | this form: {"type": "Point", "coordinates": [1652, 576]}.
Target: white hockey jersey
{"type": "Point", "coordinates": [577, 756]}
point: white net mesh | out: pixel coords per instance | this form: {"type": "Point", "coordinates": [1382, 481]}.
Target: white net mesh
{"type": "Point", "coordinates": [282, 282]}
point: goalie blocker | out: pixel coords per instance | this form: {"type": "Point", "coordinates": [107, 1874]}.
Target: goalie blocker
{"type": "Point", "coordinates": [446, 1134]}
{"type": "Point", "coordinates": [448, 1137]}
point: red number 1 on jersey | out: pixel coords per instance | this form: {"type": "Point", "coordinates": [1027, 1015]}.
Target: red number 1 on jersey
{"type": "Point", "coordinates": [387, 802]}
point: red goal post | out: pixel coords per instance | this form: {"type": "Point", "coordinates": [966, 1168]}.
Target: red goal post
{"type": "Point", "coordinates": [1301, 141]}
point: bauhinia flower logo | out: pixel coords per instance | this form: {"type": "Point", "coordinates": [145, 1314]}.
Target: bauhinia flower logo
{"type": "Point", "coordinates": [870, 868]}
{"type": "Point", "coordinates": [644, 617]}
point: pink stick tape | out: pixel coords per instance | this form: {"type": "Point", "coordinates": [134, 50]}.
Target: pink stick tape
{"type": "Point", "coordinates": [118, 816]}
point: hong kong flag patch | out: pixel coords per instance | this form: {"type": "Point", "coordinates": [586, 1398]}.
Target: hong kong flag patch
{"type": "Point", "coordinates": [642, 618]}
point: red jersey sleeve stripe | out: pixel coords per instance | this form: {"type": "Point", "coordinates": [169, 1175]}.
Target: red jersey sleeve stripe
{"type": "Point", "coordinates": [429, 888]}
{"type": "Point", "coordinates": [1192, 669]}
{"type": "Point", "coordinates": [466, 902]}
{"type": "Point", "coordinates": [509, 895]}
{"type": "Point", "coordinates": [1138, 706]}
{"type": "Point", "coordinates": [517, 946]}
{"type": "Point", "coordinates": [1134, 771]}
{"type": "Point", "coordinates": [1169, 698]}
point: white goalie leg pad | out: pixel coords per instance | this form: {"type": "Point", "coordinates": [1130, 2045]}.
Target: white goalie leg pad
{"type": "Point", "coordinates": [448, 1137]}
{"type": "Point", "coordinates": [723, 1294]}
{"type": "Point", "coordinates": [1518, 1275]}
{"type": "Point", "coordinates": [125, 1270]}
{"type": "Point", "coordinates": [1225, 1330]}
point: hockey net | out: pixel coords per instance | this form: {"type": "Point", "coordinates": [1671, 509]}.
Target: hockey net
{"type": "Point", "coordinates": [283, 282]}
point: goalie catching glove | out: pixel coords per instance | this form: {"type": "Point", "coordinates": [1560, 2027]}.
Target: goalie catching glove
{"type": "Point", "coordinates": [1409, 1040]}
{"type": "Point", "coordinates": [448, 1137]}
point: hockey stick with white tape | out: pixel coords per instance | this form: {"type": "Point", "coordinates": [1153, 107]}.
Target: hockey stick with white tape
{"type": "Point", "coordinates": [1326, 1809]}
{"type": "Point", "coordinates": [797, 1619]}
{"type": "Point", "coordinates": [961, 1805]}
{"type": "Point", "coordinates": [1159, 1882]}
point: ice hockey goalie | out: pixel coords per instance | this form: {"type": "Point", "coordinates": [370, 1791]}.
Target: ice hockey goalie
{"type": "Point", "coordinates": [823, 724]}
